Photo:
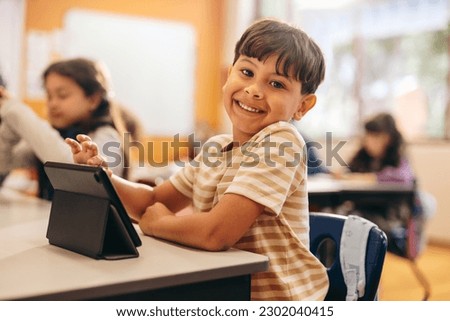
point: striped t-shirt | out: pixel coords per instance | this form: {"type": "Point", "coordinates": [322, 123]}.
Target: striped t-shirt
{"type": "Point", "coordinates": [269, 169]}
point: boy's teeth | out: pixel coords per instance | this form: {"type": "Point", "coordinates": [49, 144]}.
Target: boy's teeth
{"type": "Point", "coordinates": [247, 108]}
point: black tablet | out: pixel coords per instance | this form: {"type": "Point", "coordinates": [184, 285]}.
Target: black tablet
{"type": "Point", "coordinates": [92, 181]}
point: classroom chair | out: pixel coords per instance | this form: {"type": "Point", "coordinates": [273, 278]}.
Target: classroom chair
{"type": "Point", "coordinates": [348, 246]}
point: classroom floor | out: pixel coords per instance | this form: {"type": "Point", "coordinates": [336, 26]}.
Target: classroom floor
{"type": "Point", "coordinates": [399, 283]}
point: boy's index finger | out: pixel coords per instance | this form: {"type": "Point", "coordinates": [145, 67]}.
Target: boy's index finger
{"type": "Point", "coordinates": [74, 145]}
{"type": "Point", "coordinates": [83, 138]}
{"type": "Point", "coordinates": [89, 146]}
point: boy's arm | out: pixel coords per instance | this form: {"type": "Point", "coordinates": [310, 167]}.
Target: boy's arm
{"type": "Point", "coordinates": [134, 196]}
{"type": "Point", "coordinates": [216, 230]}
{"type": "Point", "coordinates": [85, 151]}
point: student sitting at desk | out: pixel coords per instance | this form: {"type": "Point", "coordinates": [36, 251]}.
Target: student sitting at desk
{"type": "Point", "coordinates": [382, 155]}
{"type": "Point", "coordinates": [77, 102]}
{"type": "Point", "coordinates": [248, 190]}
{"type": "Point", "coordinates": [382, 159]}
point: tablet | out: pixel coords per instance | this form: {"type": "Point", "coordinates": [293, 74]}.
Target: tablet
{"type": "Point", "coordinates": [92, 181]}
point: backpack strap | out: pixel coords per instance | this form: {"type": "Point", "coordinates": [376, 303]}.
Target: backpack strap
{"type": "Point", "coordinates": [354, 238]}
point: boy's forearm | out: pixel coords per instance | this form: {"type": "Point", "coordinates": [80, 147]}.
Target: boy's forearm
{"type": "Point", "coordinates": [134, 196]}
{"type": "Point", "coordinates": [191, 230]}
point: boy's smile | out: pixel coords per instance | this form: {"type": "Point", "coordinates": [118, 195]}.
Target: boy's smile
{"type": "Point", "coordinates": [248, 108]}
{"type": "Point", "coordinates": [255, 96]}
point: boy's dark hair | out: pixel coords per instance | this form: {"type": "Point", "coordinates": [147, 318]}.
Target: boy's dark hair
{"type": "Point", "coordinates": [380, 123]}
{"type": "Point", "coordinates": [298, 55]}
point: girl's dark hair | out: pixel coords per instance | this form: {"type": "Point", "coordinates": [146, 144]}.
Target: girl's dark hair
{"type": "Point", "coordinates": [298, 55]}
{"type": "Point", "coordinates": [380, 123]}
{"type": "Point", "coordinates": [92, 81]}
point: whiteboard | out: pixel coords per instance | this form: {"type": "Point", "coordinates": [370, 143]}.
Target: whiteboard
{"type": "Point", "coordinates": [151, 64]}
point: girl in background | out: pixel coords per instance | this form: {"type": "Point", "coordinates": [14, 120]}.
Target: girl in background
{"type": "Point", "coordinates": [382, 155]}
{"type": "Point", "coordinates": [382, 159]}
{"type": "Point", "coordinates": [77, 103]}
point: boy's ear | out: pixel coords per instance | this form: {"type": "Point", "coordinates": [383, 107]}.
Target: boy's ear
{"type": "Point", "coordinates": [307, 102]}
{"type": "Point", "coordinates": [225, 74]}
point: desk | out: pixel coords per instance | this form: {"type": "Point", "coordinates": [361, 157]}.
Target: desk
{"type": "Point", "coordinates": [324, 192]}
{"type": "Point", "coordinates": [32, 269]}
{"type": "Point", "coordinates": [388, 205]}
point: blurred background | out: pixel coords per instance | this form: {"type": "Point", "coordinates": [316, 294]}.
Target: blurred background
{"type": "Point", "coordinates": [168, 60]}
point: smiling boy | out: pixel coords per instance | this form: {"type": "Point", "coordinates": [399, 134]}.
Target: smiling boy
{"type": "Point", "coordinates": [253, 195]}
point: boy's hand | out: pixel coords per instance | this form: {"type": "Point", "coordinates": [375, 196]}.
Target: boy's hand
{"type": "Point", "coordinates": [85, 151]}
{"type": "Point", "coordinates": [151, 216]}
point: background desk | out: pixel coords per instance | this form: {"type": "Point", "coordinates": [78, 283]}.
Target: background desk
{"type": "Point", "coordinates": [32, 269]}
{"type": "Point", "coordinates": [390, 206]}
{"type": "Point", "coordinates": [327, 192]}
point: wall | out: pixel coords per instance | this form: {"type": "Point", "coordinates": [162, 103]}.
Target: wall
{"type": "Point", "coordinates": [11, 26]}
{"type": "Point", "coordinates": [204, 15]}
{"type": "Point", "coordinates": [431, 162]}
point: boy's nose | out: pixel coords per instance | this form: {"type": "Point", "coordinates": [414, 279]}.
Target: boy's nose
{"type": "Point", "coordinates": [254, 90]}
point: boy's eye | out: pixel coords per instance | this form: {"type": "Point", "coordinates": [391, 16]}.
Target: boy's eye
{"type": "Point", "coordinates": [247, 72]}
{"type": "Point", "coordinates": [277, 84]}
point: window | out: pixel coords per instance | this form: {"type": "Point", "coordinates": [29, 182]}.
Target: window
{"type": "Point", "coordinates": [381, 56]}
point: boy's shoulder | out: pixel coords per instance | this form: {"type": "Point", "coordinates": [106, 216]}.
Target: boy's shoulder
{"type": "Point", "coordinates": [283, 131]}
{"type": "Point", "coordinates": [280, 131]}
{"type": "Point", "coordinates": [220, 139]}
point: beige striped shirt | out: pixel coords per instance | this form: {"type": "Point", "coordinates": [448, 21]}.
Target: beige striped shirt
{"type": "Point", "coordinates": [270, 169]}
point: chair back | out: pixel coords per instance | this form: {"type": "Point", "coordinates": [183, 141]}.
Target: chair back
{"type": "Point", "coordinates": [325, 243]}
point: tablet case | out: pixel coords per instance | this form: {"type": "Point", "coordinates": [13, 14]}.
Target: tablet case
{"type": "Point", "coordinates": [87, 216]}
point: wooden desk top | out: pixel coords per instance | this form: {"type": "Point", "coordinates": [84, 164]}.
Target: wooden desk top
{"type": "Point", "coordinates": [31, 268]}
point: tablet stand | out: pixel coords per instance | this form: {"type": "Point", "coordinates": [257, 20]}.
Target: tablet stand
{"type": "Point", "coordinates": [88, 225]}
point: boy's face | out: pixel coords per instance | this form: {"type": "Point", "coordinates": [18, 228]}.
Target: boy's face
{"type": "Point", "coordinates": [255, 96]}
